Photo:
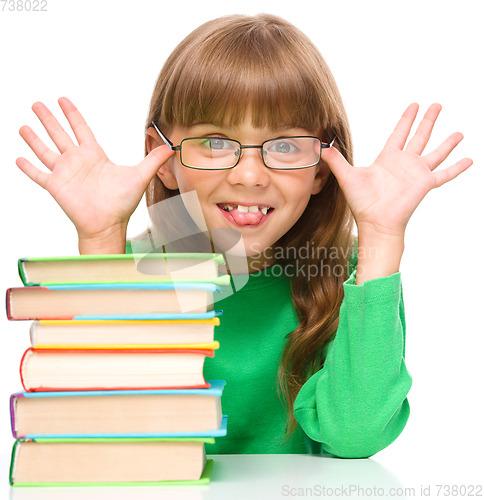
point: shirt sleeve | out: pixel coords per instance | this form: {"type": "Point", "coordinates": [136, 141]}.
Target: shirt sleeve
{"type": "Point", "coordinates": [356, 405]}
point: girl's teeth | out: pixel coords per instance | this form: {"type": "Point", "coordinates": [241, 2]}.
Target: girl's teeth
{"type": "Point", "coordinates": [242, 208]}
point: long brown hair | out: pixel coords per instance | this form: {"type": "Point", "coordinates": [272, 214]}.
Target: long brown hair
{"type": "Point", "coordinates": [263, 61]}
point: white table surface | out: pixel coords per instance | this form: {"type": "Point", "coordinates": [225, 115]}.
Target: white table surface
{"type": "Point", "coordinates": [244, 477]}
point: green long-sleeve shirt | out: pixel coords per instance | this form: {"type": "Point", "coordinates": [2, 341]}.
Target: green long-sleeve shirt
{"type": "Point", "coordinates": [354, 407]}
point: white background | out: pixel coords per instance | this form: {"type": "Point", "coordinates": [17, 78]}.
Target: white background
{"type": "Point", "coordinates": [106, 55]}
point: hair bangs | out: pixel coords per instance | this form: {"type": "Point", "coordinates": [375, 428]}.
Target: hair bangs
{"type": "Point", "coordinates": [226, 76]}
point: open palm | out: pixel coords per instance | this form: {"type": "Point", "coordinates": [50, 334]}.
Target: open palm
{"type": "Point", "coordinates": [95, 193]}
{"type": "Point", "coordinates": [383, 196]}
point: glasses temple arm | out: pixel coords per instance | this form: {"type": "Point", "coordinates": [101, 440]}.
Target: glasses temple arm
{"type": "Point", "coordinates": [167, 141]}
{"type": "Point", "coordinates": [329, 145]}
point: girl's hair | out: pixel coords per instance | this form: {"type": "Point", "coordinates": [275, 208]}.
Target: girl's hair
{"type": "Point", "coordinates": [213, 76]}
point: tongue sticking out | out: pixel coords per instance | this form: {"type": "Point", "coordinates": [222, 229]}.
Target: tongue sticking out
{"type": "Point", "coordinates": [246, 218]}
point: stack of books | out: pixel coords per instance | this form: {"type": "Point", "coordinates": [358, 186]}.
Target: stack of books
{"type": "Point", "coordinates": [114, 385]}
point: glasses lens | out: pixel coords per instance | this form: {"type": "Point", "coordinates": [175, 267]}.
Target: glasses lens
{"type": "Point", "coordinates": [292, 152]}
{"type": "Point", "coordinates": [209, 152]}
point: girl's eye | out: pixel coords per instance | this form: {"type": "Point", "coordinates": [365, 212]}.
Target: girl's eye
{"type": "Point", "coordinates": [216, 143]}
{"type": "Point", "coordinates": [282, 147]}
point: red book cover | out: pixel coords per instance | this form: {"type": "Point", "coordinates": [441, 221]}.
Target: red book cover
{"type": "Point", "coordinates": [100, 364]}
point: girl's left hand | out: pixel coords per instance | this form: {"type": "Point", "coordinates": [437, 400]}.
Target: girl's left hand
{"type": "Point", "coordinates": [383, 196]}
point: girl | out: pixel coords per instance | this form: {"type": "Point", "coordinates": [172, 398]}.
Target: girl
{"type": "Point", "coordinates": [313, 360]}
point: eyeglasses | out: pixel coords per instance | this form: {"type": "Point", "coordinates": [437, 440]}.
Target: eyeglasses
{"type": "Point", "coordinates": [218, 153]}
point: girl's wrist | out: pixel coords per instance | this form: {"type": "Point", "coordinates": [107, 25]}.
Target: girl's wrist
{"type": "Point", "coordinates": [109, 241]}
{"type": "Point", "coordinates": [379, 255]}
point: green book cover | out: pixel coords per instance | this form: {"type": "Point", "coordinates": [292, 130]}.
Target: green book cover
{"type": "Point", "coordinates": [204, 478]}
{"type": "Point", "coordinates": [85, 262]}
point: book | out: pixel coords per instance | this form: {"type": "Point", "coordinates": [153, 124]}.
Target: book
{"type": "Point", "coordinates": [195, 300]}
{"type": "Point", "coordinates": [148, 413]}
{"type": "Point", "coordinates": [146, 334]}
{"type": "Point", "coordinates": [122, 369]}
{"type": "Point", "coordinates": [123, 268]}
{"type": "Point", "coordinates": [103, 461]}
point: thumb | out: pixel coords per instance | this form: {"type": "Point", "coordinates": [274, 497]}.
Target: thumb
{"type": "Point", "coordinates": [154, 160]}
{"type": "Point", "coordinates": [337, 163]}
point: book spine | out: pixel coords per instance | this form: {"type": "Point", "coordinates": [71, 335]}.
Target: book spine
{"type": "Point", "coordinates": [23, 363]}
{"type": "Point", "coordinates": [7, 305]}
{"type": "Point", "coordinates": [32, 332]}
{"type": "Point", "coordinates": [13, 414]}
{"type": "Point", "coordinates": [13, 462]}
{"type": "Point", "coordinates": [22, 273]}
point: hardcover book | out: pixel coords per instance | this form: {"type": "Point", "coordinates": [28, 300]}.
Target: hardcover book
{"type": "Point", "coordinates": [87, 301]}
{"type": "Point", "coordinates": [121, 369]}
{"type": "Point", "coordinates": [147, 413]}
{"type": "Point", "coordinates": [79, 334]}
{"type": "Point", "coordinates": [123, 461]}
{"type": "Point", "coordinates": [123, 268]}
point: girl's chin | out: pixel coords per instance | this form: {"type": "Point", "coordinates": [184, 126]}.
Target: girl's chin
{"type": "Point", "coordinates": [232, 242]}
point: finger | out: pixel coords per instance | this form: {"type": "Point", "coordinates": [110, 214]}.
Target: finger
{"type": "Point", "coordinates": [418, 142]}
{"type": "Point", "coordinates": [399, 136]}
{"type": "Point", "coordinates": [43, 153]}
{"type": "Point", "coordinates": [436, 157]}
{"type": "Point", "coordinates": [79, 126]}
{"type": "Point", "coordinates": [34, 173]}
{"type": "Point", "coordinates": [54, 129]}
{"type": "Point", "coordinates": [153, 161]}
{"type": "Point", "coordinates": [337, 164]}
{"type": "Point", "coordinates": [443, 176]}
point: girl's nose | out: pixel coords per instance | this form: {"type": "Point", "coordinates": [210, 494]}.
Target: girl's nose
{"type": "Point", "coordinates": [250, 170]}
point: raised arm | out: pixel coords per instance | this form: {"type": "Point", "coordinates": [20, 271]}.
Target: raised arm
{"type": "Point", "coordinates": [97, 195]}
{"type": "Point", "coordinates": [356, 405]}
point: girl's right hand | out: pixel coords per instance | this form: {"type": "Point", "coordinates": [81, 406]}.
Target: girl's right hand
{"type": "Point", "coordinates": [97, 195]}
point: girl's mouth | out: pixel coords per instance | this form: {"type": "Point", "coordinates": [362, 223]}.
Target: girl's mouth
{"type": "Point", "coordinates": [242, 216]}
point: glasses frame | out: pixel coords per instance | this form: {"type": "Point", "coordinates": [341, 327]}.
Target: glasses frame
{"type": "Point", "coordinates": [323, 145]}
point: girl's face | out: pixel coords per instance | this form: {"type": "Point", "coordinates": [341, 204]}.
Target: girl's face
{"type": "Point", "coordinates": [250, 183]}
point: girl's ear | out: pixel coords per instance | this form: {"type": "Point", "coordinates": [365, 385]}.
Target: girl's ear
{"type": "Point", "coordinates": [321, 177]}
{"type": "Point", "coordinates": [165, 172]}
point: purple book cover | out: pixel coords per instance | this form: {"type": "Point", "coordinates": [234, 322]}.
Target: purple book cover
{"type": "Point", "coordinates": [12, 412]}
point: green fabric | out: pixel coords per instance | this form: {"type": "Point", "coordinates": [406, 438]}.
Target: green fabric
{"type": "Point", "coordinates": [354, 407]}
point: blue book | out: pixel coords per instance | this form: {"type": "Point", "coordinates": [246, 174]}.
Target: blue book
{"type": "Point", "coordinates": [165, 413]}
